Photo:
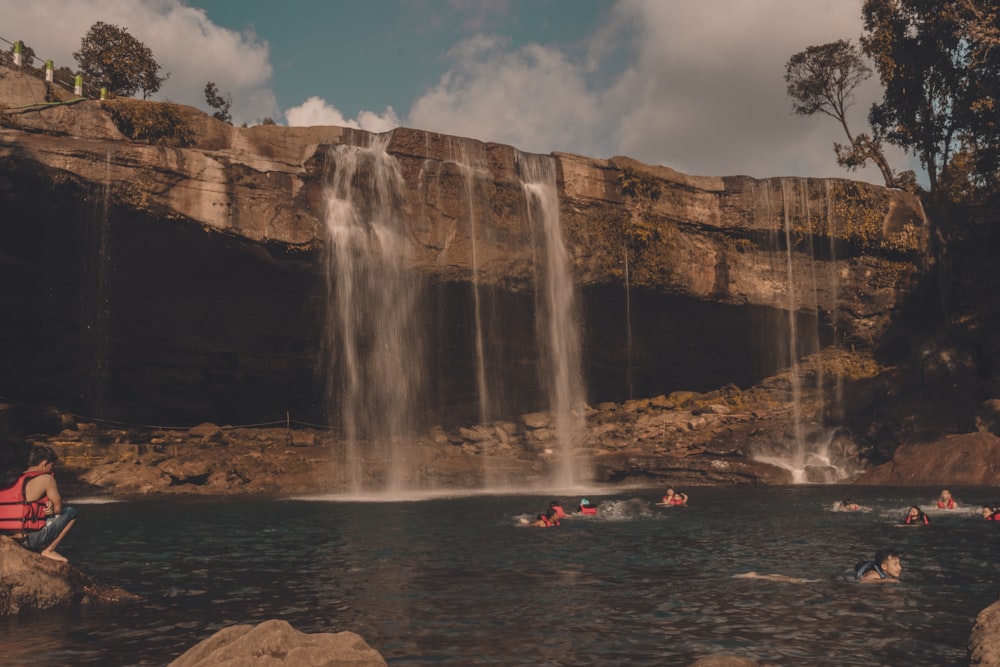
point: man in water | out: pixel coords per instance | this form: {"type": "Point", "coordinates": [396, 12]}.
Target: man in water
{"type": "Point", "coordinates": [886, 567]}
{"type": "Point", "coordinates": [674, 498]}
{"type": "Point", "coordinates": [945, 501]}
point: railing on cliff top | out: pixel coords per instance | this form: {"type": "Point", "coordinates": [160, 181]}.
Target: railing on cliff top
{"type": "Point", "coordinates": [20, 60]}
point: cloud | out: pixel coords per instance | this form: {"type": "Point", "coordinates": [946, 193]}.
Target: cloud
{"type": "Point", "coordinates": [186, 44]}
{"type": "Point", "coordinates": [316, 111]}
{"type": "Point", "coordinates": [531, 97]}
{"type": "Point", "coordinates": [696, 86]}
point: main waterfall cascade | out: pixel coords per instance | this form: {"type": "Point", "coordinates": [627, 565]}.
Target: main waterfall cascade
{"type": "Point", "coordinates": [809, 454]}
{"type": "Point", "coordinates": [375, 362]}
{"type": "Point", "coordinates": [373, 347]}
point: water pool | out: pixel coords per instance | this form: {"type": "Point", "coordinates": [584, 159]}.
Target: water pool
{"type": "Point", "coordinates": [455, 581]}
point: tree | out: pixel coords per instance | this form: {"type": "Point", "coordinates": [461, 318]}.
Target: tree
{"type": "Point", "coordinates": [822, 79]}
{"type": "Point", "coordinates": [116, 60]}
{"type": "Point", "coordinates": [219, 103]}
{"type": "Point", "coordinates": [938, 64]}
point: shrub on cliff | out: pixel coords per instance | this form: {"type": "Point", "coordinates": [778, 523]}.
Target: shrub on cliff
{"type": "Point", "coordinates": [116, 60]}
{"type": "Point", "coordinates": [152, 122]}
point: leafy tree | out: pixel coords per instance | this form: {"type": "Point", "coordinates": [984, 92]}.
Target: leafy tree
{"type": "Point", "coordinates": [116, 60]}
{"type": "Point", "coordinates": [822, 79]}
{"type": "Point", "coordinates": [219, 103]}
{"type": "Point", "coordinates": [938, 62]}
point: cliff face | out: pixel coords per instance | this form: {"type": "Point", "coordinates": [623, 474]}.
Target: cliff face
{"type": "Point", "coordinates": [194, 281]}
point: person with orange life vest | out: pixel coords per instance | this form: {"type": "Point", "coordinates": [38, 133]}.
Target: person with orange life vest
{"type": "Point", "coordinates": [945, 501]}
{"type": "Point", "coordinates": [991, 512]}
{"type": "Point", "coordinates": [548, 519]}
{"type": "Point", "coordinates": [586, 508]}
{"type": "Point", "coordinates": [674, 498]}
{"type": "Point", "coordinates": [915, 516]}
{"type": "Point", "coordinates": [556, 506]}
{"type": "Point", "coordinates": [32, 511]}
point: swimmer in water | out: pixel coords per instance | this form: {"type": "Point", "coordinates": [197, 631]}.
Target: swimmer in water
{"type": "Point", "coordinates": [916, 517]}
{"type": "Point", "coordinates": [945, 501]}
{"type": "Point", "coordinates": [848, 505]}
{"type": "Point", "coordinates": [884, 568]}
{"type": "Point", "coordinates": [674, 498]}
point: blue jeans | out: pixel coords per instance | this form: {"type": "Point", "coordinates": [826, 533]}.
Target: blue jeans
{"type": "Point", "coordinates": [41, 538]}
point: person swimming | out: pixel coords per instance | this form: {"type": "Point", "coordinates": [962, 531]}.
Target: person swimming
{"type": "Point", "coordinates": [885, 567]}
{"type": "Point", "coordinates": [557, 507]}
{"type": "Point", "coordinates": [674, 498]}
{"type": "Point", "coordinates": [848, 505]}
{"type": "Point", "coordinates": [587, 508]}
{"type": "Point", "coordinates": [945, 501]}
{"type": "Point", "coordinates": [916, 516]}
{"type": "Point", "coordinates": [991, 512]}
{"type": "Point", "coordinates": [547, 519]}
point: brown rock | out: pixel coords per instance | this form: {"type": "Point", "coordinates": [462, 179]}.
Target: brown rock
{"type": "Point", "coordinates": [967, 458]}
{"type": "Point", "coordinates": [984, 642]}
{"type": "Point", "coordinates": [29, 581]}
{"type": "Point", "coordinates": [276, 642]}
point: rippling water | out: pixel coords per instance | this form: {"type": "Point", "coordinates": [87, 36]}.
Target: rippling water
{"type": "Point", "coordinates": [456, 581]}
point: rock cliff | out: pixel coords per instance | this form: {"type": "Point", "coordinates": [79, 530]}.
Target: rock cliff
{"type": "Point", "coordinates": [178, 274]}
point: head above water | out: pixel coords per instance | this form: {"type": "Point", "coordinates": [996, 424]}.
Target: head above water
{"type": "Point", "coordinates": [888, 561]}
{"type": "Point", "coordinates": [40, 454]}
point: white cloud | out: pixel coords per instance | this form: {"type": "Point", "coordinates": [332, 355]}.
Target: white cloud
{"type": "Point", "coordinates": [701, 89]}
{"type": "Point", "coordinates": [532, 98]}
{"type": "Point", "coordinates": [316, 111]}
{"type": "Point", "coordinates": [184, 42]}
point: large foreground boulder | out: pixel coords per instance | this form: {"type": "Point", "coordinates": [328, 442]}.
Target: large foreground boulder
{"type": "Point", "coordinates": [984, 643]}
{"type": "Point", "coordinates": [276, 642]}
{"type": "Point", "coordinates": [29, 581]}
{"type": "Point", "coordinates": [971, 459]}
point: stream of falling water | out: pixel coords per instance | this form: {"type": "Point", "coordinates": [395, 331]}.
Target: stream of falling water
{"type": "Point", "coordinates": [558, 319]}
{"type": "Point", "coordinates": [373, 347]}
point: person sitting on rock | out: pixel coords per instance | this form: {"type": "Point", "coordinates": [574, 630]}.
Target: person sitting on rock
{"type": "Point", "coordinates": [915, 517]}
{"type": "Point", "coordinates": [674, 498]}
{"type": "Point", "coordinates": [945, 501]}
{"type": "Point", "coordinates": [32, 512]}
{"type": "Point", "coordinates": [885, 567]}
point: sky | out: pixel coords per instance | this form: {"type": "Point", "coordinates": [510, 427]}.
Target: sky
{"type": "Point", "coordinates": [697, 86]}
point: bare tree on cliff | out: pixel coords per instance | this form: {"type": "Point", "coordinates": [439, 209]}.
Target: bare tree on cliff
{"type": "Point", "coordinates": [822, 79]}
{"type": "Point", "coordinates": [116, 60]}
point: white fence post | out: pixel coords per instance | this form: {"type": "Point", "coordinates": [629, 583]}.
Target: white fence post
{"type": "Point", "coordinates": [50, 71]}
{"type": "Point", "coordinates": [78, 85]}
{"type": "Point", "coordinates": [18, 47]}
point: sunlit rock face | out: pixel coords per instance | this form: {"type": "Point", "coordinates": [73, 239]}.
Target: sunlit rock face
{"type": "Point", "coordinates": [145, 282]}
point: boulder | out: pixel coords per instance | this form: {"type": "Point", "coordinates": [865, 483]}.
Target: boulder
{"type": "Point", "coordinates": [276, 642]}
{"type": "Point", "coordinates": [984, 643]}
{"type": "Point", "coordinates": [29, 581]}
{"type": "Point", "coordinates": [971, 459]}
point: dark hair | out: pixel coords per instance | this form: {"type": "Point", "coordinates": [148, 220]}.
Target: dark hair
{"type": "Point", "coordinates": [40, 454]}
{"type": "Point", "coordinates": [554, 503]}
{"type": "Point", "coordinates": [549, 513]}
{"type": "Point", "coordinates": [883, 555]}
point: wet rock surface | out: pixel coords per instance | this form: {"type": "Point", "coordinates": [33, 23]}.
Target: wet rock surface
{"type": "Point", "coordinates": [29, 581]}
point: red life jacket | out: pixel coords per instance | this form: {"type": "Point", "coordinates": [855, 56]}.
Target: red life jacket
{"type": "Point", "coordinates": [950, 505]}
{"type": "Point", "coordinates": [676, 499]}
{"type": "Point", "coordinates": [994, 517]}
{"type": "Point", "coordinates": [18, 514]}
{"type": "Point", "coordinates": [589, 509]}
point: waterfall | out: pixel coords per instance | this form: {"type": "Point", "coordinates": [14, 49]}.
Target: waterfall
{"type": "Point", "coordinates": [558, 319]}
{"type": "Point", "coordinates": [471, 167]}
{"type": "Point", "coordinates": [96, 298]}
{"type": "Point", "coordinates": [373, 347]}
{"type": "Point", "coordinates": [808, 455]}
{"type": "Point", "coordinates": [793, 350]}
